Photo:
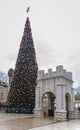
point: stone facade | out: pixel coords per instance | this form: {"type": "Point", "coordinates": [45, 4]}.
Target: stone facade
{"type": "Point", "coordinates": [54, 94]}
{"type": "Point", "coordinates": [3, 92]}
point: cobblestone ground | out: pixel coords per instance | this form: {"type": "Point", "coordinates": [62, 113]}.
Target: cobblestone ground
{"type": "Point", "coordinates": [28, 122]}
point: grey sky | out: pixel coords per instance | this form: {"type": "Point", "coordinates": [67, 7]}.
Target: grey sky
{"type": "Point", "coordinates": [56, 32]}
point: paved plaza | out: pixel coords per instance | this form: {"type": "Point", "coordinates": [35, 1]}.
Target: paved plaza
{"type": "Point", "coordinates": [28, 122]}
{"type": "Point", "coordinates": [22, 121]}
{"type": "Point", "coordinates": [67, 125]}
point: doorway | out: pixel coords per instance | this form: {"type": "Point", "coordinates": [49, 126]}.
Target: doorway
{"type": "Point", "coordinates": [49, 104]}
{"type": "Point", "coordinates": [67, 96]}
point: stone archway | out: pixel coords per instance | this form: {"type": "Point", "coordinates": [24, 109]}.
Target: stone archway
{"type": "Point", "coordinates": [54, 85]}
{"type": "Point", "coordinates": [48, 104]}
{"type": "Point", "coordinates": [68, 101]}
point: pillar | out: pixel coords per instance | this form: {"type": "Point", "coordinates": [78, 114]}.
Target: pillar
{"type": "Point", "coordinates": [60, 113]}
{"type": "Point", "coordinates": [38, 112]}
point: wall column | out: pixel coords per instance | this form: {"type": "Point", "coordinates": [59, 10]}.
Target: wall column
{"type": "Point", "coordinates": [38, 112]}
{"type": "Point", "coordinates": [60, 113]}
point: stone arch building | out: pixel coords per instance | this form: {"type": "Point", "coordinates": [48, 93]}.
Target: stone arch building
{"type": "Point", "coordinates": [54, 94]}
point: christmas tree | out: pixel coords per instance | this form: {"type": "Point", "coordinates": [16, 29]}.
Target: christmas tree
{"type": "Point", "coordinates": [21, 97]}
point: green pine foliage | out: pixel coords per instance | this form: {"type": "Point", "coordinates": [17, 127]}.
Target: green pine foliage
{"type": "Point", "coordinates": [10, 72]}
{"type": "Point", "coordinates": [21, 97]}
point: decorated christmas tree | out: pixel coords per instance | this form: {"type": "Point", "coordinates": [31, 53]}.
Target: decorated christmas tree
{"type": "Point", "coordinates": [21, 97]}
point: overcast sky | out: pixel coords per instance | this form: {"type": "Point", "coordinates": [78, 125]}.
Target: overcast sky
{"type": "Point", "coordinates": [55, 28]}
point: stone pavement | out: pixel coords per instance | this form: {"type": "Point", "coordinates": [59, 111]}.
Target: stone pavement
{"type": "Point", "coordinates": [22, 121]}
{"type": "Point", "coordinates": [67, 125]}
{"type": "Point", "coordinates": [28, 122]}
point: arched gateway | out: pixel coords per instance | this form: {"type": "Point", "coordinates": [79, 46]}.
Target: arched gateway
{"type": "Point", "coordinates": [54, 94]}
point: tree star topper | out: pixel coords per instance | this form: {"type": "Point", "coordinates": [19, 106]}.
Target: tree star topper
{"type": "Point", "coordinates": [28, 8]}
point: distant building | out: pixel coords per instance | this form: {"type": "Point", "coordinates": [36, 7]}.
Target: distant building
{"type": "Point", "coordinates": [3, 92]}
